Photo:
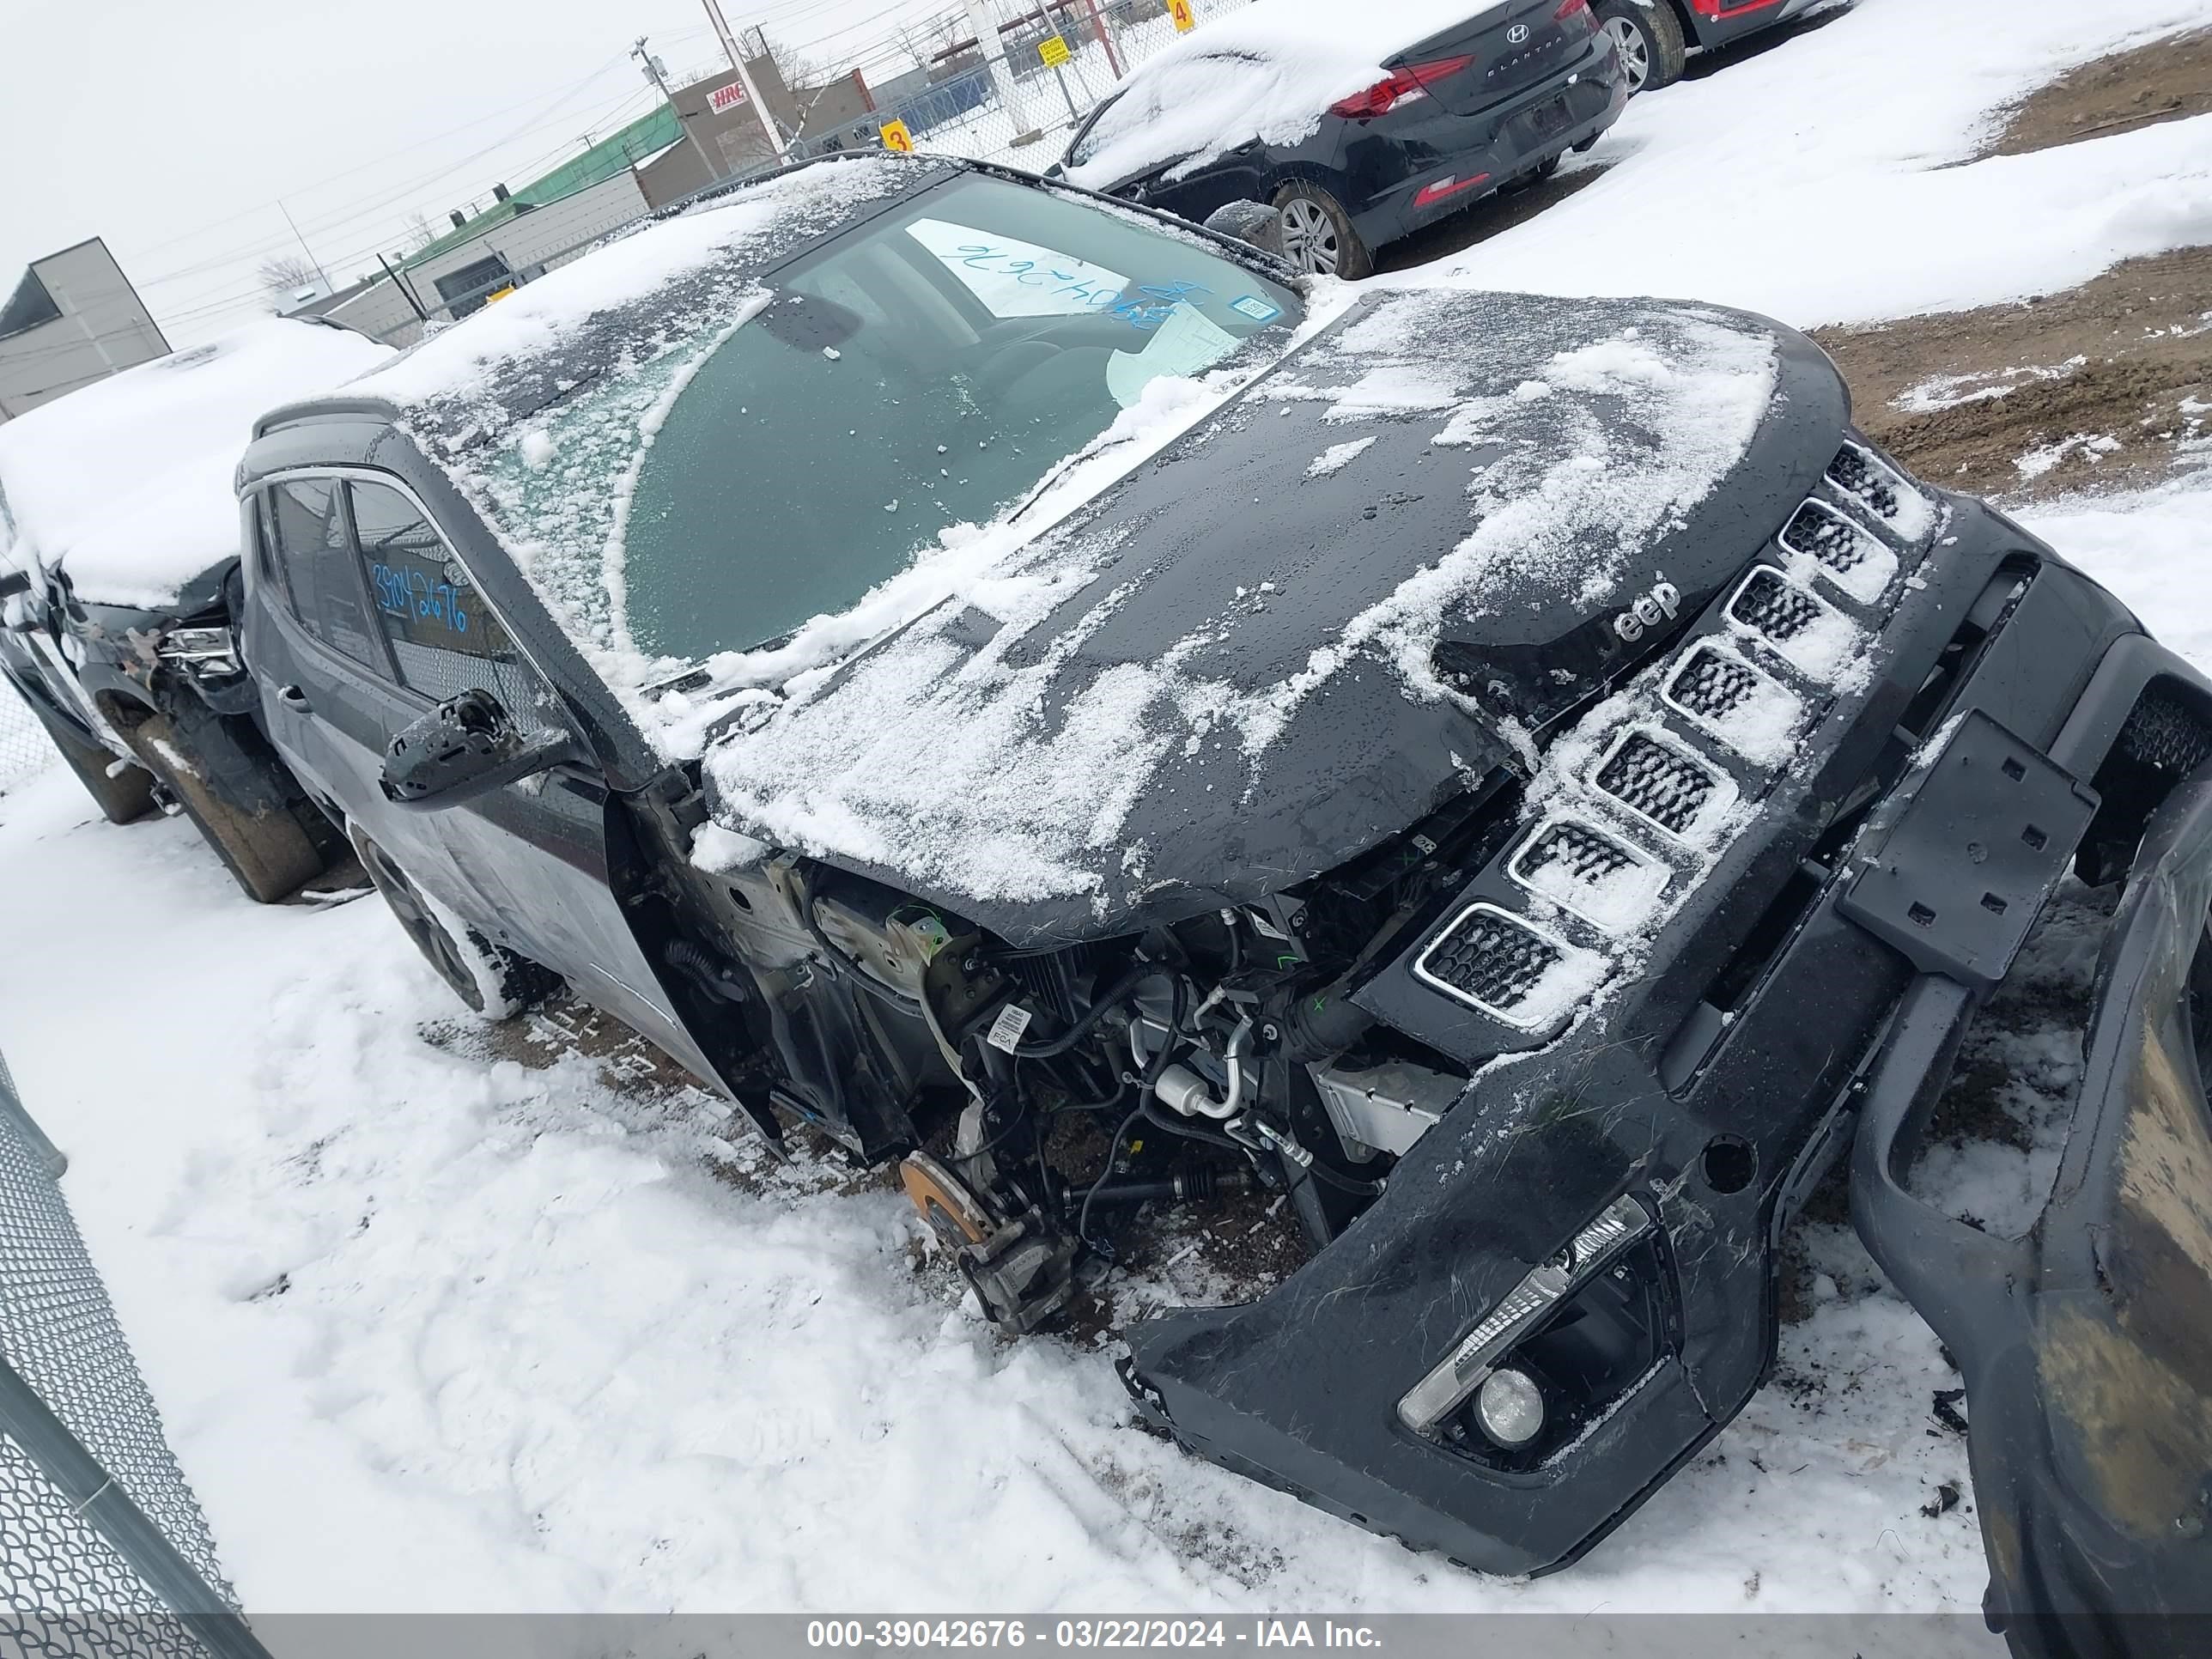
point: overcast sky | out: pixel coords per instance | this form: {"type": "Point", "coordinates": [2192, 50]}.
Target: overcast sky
{"type": "Point", "coordinates": [174, 128]}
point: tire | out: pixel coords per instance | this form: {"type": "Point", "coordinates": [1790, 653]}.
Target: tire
{"type": "Point", "coordinates": [1652, 49]}
{"type": "Point", "coordinates": [1317, 233]}
{"type": "Point", "coordinates": [271, 854]}
{"type": "Point", "coordinates": [1537, 174]}
{"type": "Point", "coordinates": [491, 979]}
{"type": "Point", "coordinates": [124, 797]}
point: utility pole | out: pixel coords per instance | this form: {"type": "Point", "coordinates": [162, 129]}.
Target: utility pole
{"type": "Point", "coordinates": [304, 249]}
{"type": "Point", "coordinates": [655, 73]}
{"type": "Point", "coordinates": [995, 54]}
{"type": "Point", "coordinates": [745, 78]}
{"type": "Point", "coordinates": [405, 292]}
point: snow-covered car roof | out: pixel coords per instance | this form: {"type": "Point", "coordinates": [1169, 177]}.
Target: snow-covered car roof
{"type": "Point", "coordinates": [127, 484]}
{"type": "Point", "coordinates": [485, 373]}
{"type": "Point", "coordinates": [1269, 72]}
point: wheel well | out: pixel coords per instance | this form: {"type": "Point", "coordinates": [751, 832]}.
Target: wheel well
{"type": "Point", "coordinates": [123, 713]}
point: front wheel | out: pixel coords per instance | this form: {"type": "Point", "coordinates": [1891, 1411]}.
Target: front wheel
{"type": "Point", "coordinates": [492, 979]}
{"type": "Point", "coordinates": [1650, 41]}
{"type": "Point", "coordinates": [1317, 234]}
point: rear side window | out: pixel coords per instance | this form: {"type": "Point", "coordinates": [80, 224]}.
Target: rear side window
{"type": "Point", "coordinates": [316, 556]}
{"type": "Point", "coordinates": [444, 638]}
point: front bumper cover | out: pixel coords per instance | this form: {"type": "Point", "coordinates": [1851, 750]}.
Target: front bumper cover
{"type": "Point", "coordinates": [1300, 1388]}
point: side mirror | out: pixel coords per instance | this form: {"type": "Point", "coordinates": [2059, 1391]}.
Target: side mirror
{"type": "Point", "coordinates": [12, 582]}
{"type": "Point", "coordinates": [1252, 222]}
{"type": "Point", "coordinates": [465, 747]}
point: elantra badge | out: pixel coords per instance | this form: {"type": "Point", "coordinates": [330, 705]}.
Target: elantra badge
{"type": "Point", "coordinates": [1649, 610]}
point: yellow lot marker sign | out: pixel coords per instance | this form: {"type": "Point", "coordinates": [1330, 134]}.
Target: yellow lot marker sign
{"type": "Point", "coordinates": [1185, 18]}
{"type": "Point", "coordinates": [1054, 51]}
{"type": "Point", "coordinates": [895, 136]}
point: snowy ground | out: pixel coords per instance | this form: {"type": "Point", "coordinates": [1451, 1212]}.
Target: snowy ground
{"type": "Point", "coordinates": [436, 1331]}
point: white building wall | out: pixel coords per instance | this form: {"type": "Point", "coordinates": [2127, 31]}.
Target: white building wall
{"type": "Point", "coordinates": [551, 235]}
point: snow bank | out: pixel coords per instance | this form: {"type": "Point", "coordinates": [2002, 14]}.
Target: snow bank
{"type": "Point", "coordinates": [1827, 180]}
{"type": "Point", "coordinates": [127, 484]}
{"type": "Point", "coordinates": [1269, 72]}
{"type": "Point", "coordinates": [516, 1342]}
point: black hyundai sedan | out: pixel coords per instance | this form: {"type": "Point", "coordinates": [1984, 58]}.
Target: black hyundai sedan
{"type": "Point", "coordinates": [1510, 786]}
{"type": "Point", "coordinates": [1359, 132]}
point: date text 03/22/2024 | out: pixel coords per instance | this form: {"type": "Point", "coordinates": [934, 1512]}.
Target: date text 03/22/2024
{"type": "Point", "coordinates": [1072, 1633]}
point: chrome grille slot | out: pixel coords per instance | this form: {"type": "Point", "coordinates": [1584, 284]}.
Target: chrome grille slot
{"type": "Point", "coordinates": [1656, 783]}
{"type": "Point", "coordinates": [1579, 854]}
{"type": "Point", "coordinates": [1772, 606]}
{"type": "Point", "coordinates": [1819, 531]}
{"type": "Point", "coordinates": [1496, 962]}
{"type": "Point", "coordinates": [1870, 481]}
{"type": "Point", "coordinates": [1600, 877]}
{"type": "Point", "coordinates": [1712, 685]}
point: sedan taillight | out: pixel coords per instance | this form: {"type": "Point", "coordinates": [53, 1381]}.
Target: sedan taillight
{"type": "Point", "coordinates": [1571, 8]}
{"type": "Point", "coordinates": [1404, 85]}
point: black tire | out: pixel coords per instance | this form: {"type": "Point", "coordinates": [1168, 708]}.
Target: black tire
{"type": "Point", "coordinates": [1317, 233]}
{"type": "Point", "coordinates": [1537, 174]}
{"type": "Point", "coordinates": [1655, 57]}
{"type": "Point", "coordinates": [491, 979]}
{"type": "Point", "coordinates": [123, 799]}
{"type": "Point", "coordinates": [271, 854]}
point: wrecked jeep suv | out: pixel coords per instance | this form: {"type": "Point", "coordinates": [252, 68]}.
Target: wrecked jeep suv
{"type": "Point", "coordinates": [119, 539]}
{"type": "Point", "coordinates": [1521, 781]}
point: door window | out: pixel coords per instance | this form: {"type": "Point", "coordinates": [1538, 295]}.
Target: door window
{"type": "Point", "coordinates": [444, 638]}
{"type": "Point", "coordinates": [316, 556]}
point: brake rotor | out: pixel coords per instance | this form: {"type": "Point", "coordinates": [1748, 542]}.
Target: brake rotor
{"type": "Point", "coordinates": [953, 1212]}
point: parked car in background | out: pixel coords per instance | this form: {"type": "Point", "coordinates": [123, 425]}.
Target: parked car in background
{"type": "Point", "coordinates": [119, 529]}
{"type": "Point", "coordinates": [1045, 695]}
{"type": "Point", "coordinates": [1359, 131]}
{"type": "Point", "coordinates": [1656, 37]}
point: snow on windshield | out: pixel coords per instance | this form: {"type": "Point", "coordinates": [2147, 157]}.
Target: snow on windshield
{"type": "Point", "coordinates": [127, 484]}
{"type": "Point", "coordinates": [1269, 72]}
{"type": "Point", "coordinates": [980, 756]}
{"type": "Point", "coordinates": [712, 465]}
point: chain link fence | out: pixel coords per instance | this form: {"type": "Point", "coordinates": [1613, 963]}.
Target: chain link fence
{"type": "Point", "coordinates": [103, 1548]}
{"type": "Point", "coordinates": [25, 747]}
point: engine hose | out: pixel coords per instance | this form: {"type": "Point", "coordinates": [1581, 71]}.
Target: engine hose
{"type": "Point", "coordinates": [1343, 1183]}
{"type": "Point", "coordinates": [1178, 1003]}
{"type": "Point", "coordinates": [1082, 1219]}
{"type": "Point", "coordinates": [1074, 1034]}
{"type": "Point", "coordinates": [1159, 1120]}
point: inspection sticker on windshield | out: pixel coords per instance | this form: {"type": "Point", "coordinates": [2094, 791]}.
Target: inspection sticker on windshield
{"type": "Point", "coordinates": [1007, 1031]}
{"type": "Point", "coordinates": [1256, 308]}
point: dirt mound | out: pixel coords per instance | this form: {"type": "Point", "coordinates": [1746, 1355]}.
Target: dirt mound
{"type": "Point", "coordinates": [2105, 385]}
{"type": "Point", "coordinates": [2168, 80]}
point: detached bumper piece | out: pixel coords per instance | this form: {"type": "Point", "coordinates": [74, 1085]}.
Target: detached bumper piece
{"type": "Point", "coordinates": [2086, 1345]}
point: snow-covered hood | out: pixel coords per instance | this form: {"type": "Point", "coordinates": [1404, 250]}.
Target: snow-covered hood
{"type": "Point", "coordinates": [1383, 569]}
{"type": "Point", "coordinates": [126, 485]}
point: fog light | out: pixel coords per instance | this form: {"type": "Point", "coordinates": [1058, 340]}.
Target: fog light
{"type": "Point", "coordinates": [1510, 1407]}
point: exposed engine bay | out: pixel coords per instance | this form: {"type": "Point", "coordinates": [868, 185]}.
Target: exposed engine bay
{"type": "Point", "coordinates": [1212, 1057]}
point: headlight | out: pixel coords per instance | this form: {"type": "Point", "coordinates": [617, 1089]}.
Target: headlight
{"type": "Point", "coordinates": [210, 653]}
